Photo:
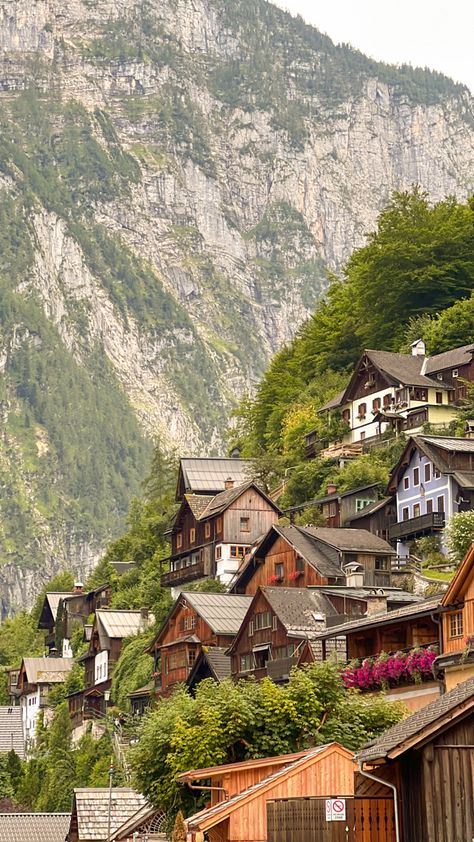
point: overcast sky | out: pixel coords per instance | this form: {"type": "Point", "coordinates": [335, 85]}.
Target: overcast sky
{"type": "Point", "coordinates": [431, 33]}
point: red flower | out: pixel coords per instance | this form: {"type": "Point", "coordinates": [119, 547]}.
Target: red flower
{"type": "Point", "coordinates": [274, 579]}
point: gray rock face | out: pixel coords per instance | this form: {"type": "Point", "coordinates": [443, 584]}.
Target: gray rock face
{"type": "Point", "coordinates": [237, 213]}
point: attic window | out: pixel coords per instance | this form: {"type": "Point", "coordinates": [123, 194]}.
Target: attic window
{"type": "Point", "coordinates": [219, 524]}
{"type": "Point", "coordinates": [192, 535]}
{"type": "Point", "coordinates": [299, 564]}
{"type": "Point", "coordinates": [455, 372]}
{"type": "Point", "coordinates": [179, 539]}
{"type": "Point", "coordinates": [207, 530]}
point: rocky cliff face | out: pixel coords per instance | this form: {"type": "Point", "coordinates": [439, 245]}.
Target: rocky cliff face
{"type": "Point", "coordinates": [176, 179]}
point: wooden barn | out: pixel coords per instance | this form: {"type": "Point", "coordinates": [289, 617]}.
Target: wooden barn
{"type": "Point", "coordinates": [428, 761]}
{"type": "Point", "coordinates": [238, 809]}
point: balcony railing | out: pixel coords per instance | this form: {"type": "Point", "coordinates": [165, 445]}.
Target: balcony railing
{"type": "Point", "coordinates": [184, 574]}
{"type": "Point", "coordinates": [417, 526]}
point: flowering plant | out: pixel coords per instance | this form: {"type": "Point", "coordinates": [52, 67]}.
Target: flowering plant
{"type": "Point", "coordinates": [389, 670]}
{"type": "Point", "coordinates": [294, 575]}
{"type": "Point", "coordinates": [274, 579]}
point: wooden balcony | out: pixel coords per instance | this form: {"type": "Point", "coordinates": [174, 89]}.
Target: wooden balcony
{"type": "Point", "coordinates": [417, 526]}
{"type": "Point", "coordinates": [183, 575]}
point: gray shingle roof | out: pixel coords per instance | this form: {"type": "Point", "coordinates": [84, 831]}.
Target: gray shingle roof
{"type": "Point", "coordinates": [394, 595]}
{"type": "Point", "coordinates": [405, 730]}
{"type": "Point", "coordinates": [92, 805]}
{"type": "Point", "coordinates": [350, 540]}
{"type": "Point", "coordinates": [210, 474]}
{"type": "Point", "coordinates": [118, 624]}
{"type": "Point", "coordinates": [337, 400]}
{"type": "Point", "coordinates": [298, 608]}
{"type": "Point", "coordinates": [223, 612]}
{"type": "Point", "coordinates": [33, 827]}
{"type": "Point", "coordinates": [122, 567]}
{"type": "Point", "coordinates": [428, 606]}
{"type": "Point", "coordinates": [449, 359]}
{"type": "Point", "coordinates": [11, 731]}
{"type": "Point", "coordinates": [48, 670]}
{"type": "Point", "coordinates": [218, 661]}
{"type": "Point", "coordinates": [403, 368]}
{"type": "Point", "coordinates": [303, 542]}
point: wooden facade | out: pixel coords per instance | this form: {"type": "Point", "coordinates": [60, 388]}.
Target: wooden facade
{"type": "Point", "coordinates": [283, 563]}
{"type": "Point", "coordinates": [328, 771]}
{"type": "Point", "coordinates": [392, 637]}
{"type": "Point", "coordinates": [304, 820]}
{"type": "Point", "coordinates": [458, 624]}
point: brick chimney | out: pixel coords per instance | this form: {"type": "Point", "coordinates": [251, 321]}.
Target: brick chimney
{"type": "Point", "coordinates": [229, 483]}
{"type": "Point", "coordinates": [331, 488]}
{"type": "Point", "coordinates": [78, 587]}
{"type": "Point", "coordinates": [376, 603]}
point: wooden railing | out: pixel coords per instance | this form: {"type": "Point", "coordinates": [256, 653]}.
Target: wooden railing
{"type": "Point", "coordinates": [417, 525]}
{"type": "Point", "coordinates": [185, 574]}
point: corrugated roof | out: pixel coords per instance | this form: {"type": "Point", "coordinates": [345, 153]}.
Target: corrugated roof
{"type": "Point", "coordinates": [11, 731]}
{"type": "Point", "coordinates": [427, 606]}
{"type": "Point", "coordinates": [92, 807]}
{"type": "Point", "coordinates": [409, 728]}
{"type": "Point", "coordinates": [54, 599]}
{"type": "Point", "coordinates": [452, 444]}
{"type": "Point", "coordinates": [223, 612]}
{"type": "Point", "coordinates": [350, 540]}
{"type": "Point", "coordinates": [449, 359]}
{"type": "Point", "coordinates": [223, 806]}
{"type": "Point", "coordinates": [210, 473]}
{"type": "Point", "coordinates": [34, 827]}
{"type": "Point", "coordinates": [37, 668]}
{"type": "Point", "coordinates": [118, 624]}
{"type": "Point", "coordinates": [296, 608]}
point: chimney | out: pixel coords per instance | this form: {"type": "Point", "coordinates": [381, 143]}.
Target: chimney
{"type": "Point", "coordinates": [376, 603]}
{"type": "Point", "coordinates": [144, 614]}
{"type": "Point", "coordinates": [229, 483]}
{"type": "Point", "coordinates": [331, 488]}
{"type": "Point", "coordinates": [469, 429]}
{"type": "Point", "coordinates": [418, 348]}
{"type": "Point", "coordinates": [78, 587]}
{"type": "Point", "coordinates": [355, 575]}
{"type": "Point", "coordinates": [53, 653]}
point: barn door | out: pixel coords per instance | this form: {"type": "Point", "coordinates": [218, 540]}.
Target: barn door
{"type": "Point", "coordinates": [374, 820]}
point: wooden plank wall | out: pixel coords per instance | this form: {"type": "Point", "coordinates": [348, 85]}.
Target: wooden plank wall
{"type": "Point", "coordinates": [282, 553]}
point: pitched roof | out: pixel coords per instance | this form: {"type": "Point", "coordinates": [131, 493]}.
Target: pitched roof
{"type": "Point", "coordinates": [218, 661]}
{"type": "Point", "coordinates": [210, 473]}
{"type": "Point", "coordinates": [48, 670]}
{"type": "Point", "coordinates": [428, 606]}
{"type": "Point", "coordinates": [222, 501]}
{"type": "Point", "coordinates": [91, 807]}
{"type": "Point", "coordinates": [403, 368]}
{"type": "Point", "coordinates": [40, 827]}
{"type": "Point", "coordinates": [240, 765]}
{"type": "Point", "coordinates": [121, 623]}
{"type": "Point", "coordinates": [394, 595]}
{"type": "Point", "coordinates": [147, 818]}
{"type": "Point", "coordinates": [223, 612]}
{"type": "Point", "coordinates": [350, 540]}
{"type": "Point", "coordinates": [216, 814]}
{"type": "Point", "coordinates": [300, 611]}
{"type": "Point", "coordinates": [11, 731]}
{"type": "Point", "coordinates": [409, 731]}
{"type": "Point", "coordinates": [463, 576]}
{"type": "Point", "coordinates": [336, 495]}
{"type": "Point", "coordinates": [371, 509]}
{"type": "Point", "coordinates": [337, 400]}
{"type": "Point", "coordinates": [121, 567]}
{"type": "Point", "coordinates": [449, 359]}
{"type": "Point", "coordinates": [198, 503]}
{"type": "Point", "coordinates": [437, 450]}
{"type": "Point", "coordinates": [302, 540]}
{"type": "Point", "coordinates": [451, 444]}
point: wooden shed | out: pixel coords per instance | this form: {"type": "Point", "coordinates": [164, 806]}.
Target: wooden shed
{"type": "Point", "coordinates": [242, 816]}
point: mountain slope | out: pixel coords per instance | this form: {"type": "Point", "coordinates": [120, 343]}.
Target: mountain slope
{"type": "Point", "coordinates": [175, 179]}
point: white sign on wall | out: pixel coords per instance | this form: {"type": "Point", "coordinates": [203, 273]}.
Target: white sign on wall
{"type": "Point", "coordinates": [335, 809]}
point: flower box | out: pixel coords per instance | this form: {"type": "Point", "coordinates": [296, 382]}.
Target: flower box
{"type": "Point", "coordinates": [274, 580]}
{"type": "Point", "coordinates": [294, 575]}
{"type": "Point", "coordinates": [390, 670]}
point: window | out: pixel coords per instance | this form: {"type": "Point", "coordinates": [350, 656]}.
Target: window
{"type": "Point", "coordinates": [246, 663]}
{"type": "Point", "coordinates": [218, 552]}
{"type": "Point", "coordinates": [440, 503]}
{"type": "Point", "coordinates": [416, 476]}
{"type": "Point", "coordinates": [387, 399]}
{"type": "Point", "coordinates": [436, 473]}
{"type": "Point", "coordinates": [376, 404]}
{"type": "Point", "coordinates": [405, 513]}
{"type": "Point", "coordinates": [455, 372]}
{"type": "Point", "coordinates": [279, 570]}
{"type": "Point", "coordinates": [233, 552]}
{"type": "Point", "coordinates": [192, 535]}
{"type": "Point", "coordinates": [281, 652]}
{"type": "Point", "coordinates": [299, 565]}
{"type": "Point", "coordinates": [245, 524]}
{"type": "Point", "coordinates": [456, 624]}
{"type": "Point", "coordinates": [332, 509]}
{"type": "Point", "coordinates": [382, 564]}
{"type": "Point", "coordinates": [179, 540]}
{"type": "Point", "coordinates": [189, 623]}
{"type": "Point", "coordinates": [429, 507]}
{"type": "Point", "coordinates": [207, 530]}
{"type": "Point", "coordinates": [439, 375]}
{"type": "Point", "coordinates": [191, 657]}
{"type": "Point", "coordinates": [439, 397]}
{"type": "Point", "coordinates": [250, 631]}
{"type": "Point", "coordinates": [346, 415]}
{"type": "Point", "coordinates": [361, 504]}
{"type": "Point", "coordinates": [263, 620]}
{"type": "Point", "coordinates": [219, 525]}
{"type": "Point", "coordinates": [362, 410]}
{"type": "Point", "coordinates": [362, 435]}
{"type": "Point", "coordinates": [406, 482]}
{"type": "Point", "coordinates": [427, 472]}
{"type": "Point", "coordinates": [421, 394]}
{"type": "Point", "coordinates": [416, 510]}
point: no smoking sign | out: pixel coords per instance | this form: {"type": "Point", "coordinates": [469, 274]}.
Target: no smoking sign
{"type": "Point", "coordinates": [335, 809]}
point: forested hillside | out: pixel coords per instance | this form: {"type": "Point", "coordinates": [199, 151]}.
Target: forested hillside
{"type": "Point", "coordinates": [175, 181]}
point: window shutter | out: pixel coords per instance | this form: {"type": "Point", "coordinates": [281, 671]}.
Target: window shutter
{"type": "Point", "coordinates": [251, 628]}
{"type": "Point", "coordinates": [275, 623]}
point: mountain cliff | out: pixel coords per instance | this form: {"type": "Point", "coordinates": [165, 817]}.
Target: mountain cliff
{"type": "Point", "coordinates": [176, 179]}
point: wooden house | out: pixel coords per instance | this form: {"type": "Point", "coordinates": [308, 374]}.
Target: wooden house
{"type": "Point", "coordinates": [62, 612]}
{"type": "Point", "coordinates": [432, 480]}
{"type": "Point", "coordinates": [36, 677]}
{"type": "Point", "coordinates": [195, 621]}
{"type": "Point", "coordinates": [391, 392]}
{"type": "Point", "coordinates": [90, 812]}
{"type": "Point", "coordinates": [211, 534]}
{"type": "Point", "coordinates": [387, 634]}
{"type": "Point", "coordinates": [293, 556]}
{"type": "Point", "coordinates": [273, 636]}
{"type": "Point", "coordinates": [424, 764]}
{"type": "Point", "coordinates": [456, 661]}
{"type": "Point", "coordinates": [241, 791]}
{"type": "Point", "coordinates": [377, 517]}
{"type": "Point", "coordinates": [109, 630]}
{"type": "Point", "coordinates": [208, 475]}
{"type": "Point", "coordinates": [338, 507]}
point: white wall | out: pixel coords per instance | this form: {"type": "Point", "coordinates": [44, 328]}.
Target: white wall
{"type": "Point", "coordinates": [101, 667]}
{"type": "Point", "coordinates": [30, 707]}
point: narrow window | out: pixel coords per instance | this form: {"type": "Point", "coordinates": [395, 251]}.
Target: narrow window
{"type": "Point", "coordinates": [218, 552]}
{"type": "Point", "coordinates": [376, 403]}
{"type": "Point", "coordinates": [416, 476]}
{"type": "Point", "coordinates": [416, 510]}
{"type": "Point", "coordinates": [279, 570]}
{"type": "Point", "coordinates": [456, 624]}
{"type": "Point", "coordinates": [362, 410]}
{"type": "Point", "coordinates": [440, 503]}
{"type": "Point", "coordinates": [179, 540]}
{"type": "Point", "coordinates": [219, 525]}
{"type": "Point", "coordinates": [405, 513]}
{"type": "Point", "coordinates": [406, 482]}
{"type": "Point", "coordinates": [207, 530]}
{"type": "Point", "coordinates": [192, 535]}
{"type": "Point", "coordinates": [429, 507]}
{"type": "Point", "coordinates": [427, 472]}
{"type": "Point", "coordinates": [439, 397]}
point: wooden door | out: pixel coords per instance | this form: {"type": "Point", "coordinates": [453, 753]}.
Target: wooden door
{"type": "Point", "coordinates": [374, 820]}
{"type": "Point", "coordinates": [304, 820]}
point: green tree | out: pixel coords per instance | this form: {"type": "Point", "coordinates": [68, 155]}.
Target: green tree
{"type": "Point", "coordinates": [460, 534]}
